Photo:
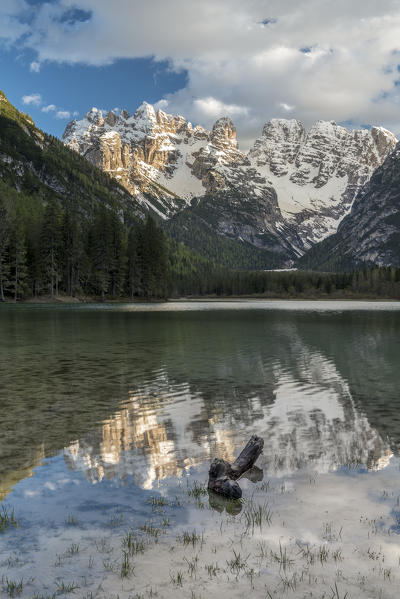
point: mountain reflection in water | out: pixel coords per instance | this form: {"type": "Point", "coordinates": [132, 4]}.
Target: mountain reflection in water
{"type": "Point", "coordinates": [309, 421]}
{"type": "Point", "coordinates": [153, 394]}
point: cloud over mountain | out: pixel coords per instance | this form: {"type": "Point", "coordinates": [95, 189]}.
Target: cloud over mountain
{"type": "Point", "coordinates": [251, 61]}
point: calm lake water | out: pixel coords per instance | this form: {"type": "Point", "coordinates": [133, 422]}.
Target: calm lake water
{"type": "Point", "coordinates": [110, 415]}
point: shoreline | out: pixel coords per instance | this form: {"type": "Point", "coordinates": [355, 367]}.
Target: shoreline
{"type": "Point", "coordinates": [62, 300]}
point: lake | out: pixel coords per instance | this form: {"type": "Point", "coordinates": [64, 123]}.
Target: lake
{"type": "Point", "coordinates": [111, 414]}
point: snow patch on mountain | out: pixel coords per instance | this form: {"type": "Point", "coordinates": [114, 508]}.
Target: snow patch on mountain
{"type": "Point", "coordinates": [297, 180]}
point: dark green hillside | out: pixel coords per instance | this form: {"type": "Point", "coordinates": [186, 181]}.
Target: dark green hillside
{"type": "Point", "coordinates": [65, 226]}
{"type": "Point", "coordinates": [194, 231]}
{"type": "Point", "coordinates": [35, 163]}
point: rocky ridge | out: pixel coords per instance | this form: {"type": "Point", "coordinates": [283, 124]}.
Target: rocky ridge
{"type": "Point", "coordinates": [288, 192]}
{"type": "Point", "coordinates": [317, 174]}
{"type": "Point", "coordinates": [370, 234]}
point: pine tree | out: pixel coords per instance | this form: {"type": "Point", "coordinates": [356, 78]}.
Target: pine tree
{"type": "Point", "coordinates": [118, 258]}
{"type": "Point", "coordinates": [100, 251]}
{"type": "Point", "coordinates": [18, 279]}
{"type": "Point", "coordinates": [134, 266]}
{"type": "Point", "coordinates": [155, 263]}
{"type": "Point", "coordinates": [50, 242]}
{"type": "Point", "coordinates": [72, 253]}
{"type": "Point", "coordinates": [4, 241]}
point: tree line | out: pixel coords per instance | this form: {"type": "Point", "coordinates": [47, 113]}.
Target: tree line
{"type": "Point", "coordinates": [55, 251]}
{"type": "Point", "coordinates": [376, 282]}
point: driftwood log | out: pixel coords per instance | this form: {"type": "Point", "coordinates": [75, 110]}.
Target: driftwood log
{"type": "Point", "coordinates": [222, 476]}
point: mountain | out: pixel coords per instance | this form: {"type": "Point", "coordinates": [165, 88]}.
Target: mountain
{"type": "Point", "coordinates": [65, 225]}
{"type": "Point", "coordinates": [288, 192]}
{"type": "Point", "coordinates": [41, 166]}
{"type": "Point", "coordinates": [68, 228]}
{"type": "Point", "coordinates": [316, 174]}
{"type": "Point", "coordinates": [370, 234]}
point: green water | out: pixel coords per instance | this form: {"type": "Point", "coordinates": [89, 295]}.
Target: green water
{"type": "Point", "coordinates": [64, 371]}
{"type": "Point", "coordinates": [118, 399]}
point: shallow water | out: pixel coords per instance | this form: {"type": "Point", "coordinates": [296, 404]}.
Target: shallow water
{"type": "Point", "coordinates": [106, 409]}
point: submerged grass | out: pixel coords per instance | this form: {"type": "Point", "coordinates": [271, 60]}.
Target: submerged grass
{"type": "Point", "coordinates": [177, 578]}
{"type": "Point", "coordinates": [71, 520]}
{"type": "Point", "coordinates": [7, 518]}
{"type": "Point", "coordinates": [282, 557]}
{"type": "Point", "coordinates": [126, 566]}
{"type": "Point", "coordinates": [190, 538]}
{"type": "Point", "coordinates": [151, 530]}
{"type": "Point", "coordinates": [197, 490]}
{"type": "Point", "coordinates": [12, 588]}
{"type": "Point", "coordinates": [132, 544]}
{"type": "Point", "coordinates": [66, 587]}
{"type": "Point", "coordinates": [336, 594]}
{"type": "Point", "coordinates": [256, 516]}
{"type": "Point", "coordinates": [237, 562]}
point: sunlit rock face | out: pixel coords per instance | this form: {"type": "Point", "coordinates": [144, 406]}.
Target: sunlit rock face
{"type": "Point", "coordinates": [289, 191]}
{"type": "Point", "coordinates": [316, 174]}
{"type": "Point", "coordinates": [311, 422]}
{"type": "Point", "coordinates": [150, 152]}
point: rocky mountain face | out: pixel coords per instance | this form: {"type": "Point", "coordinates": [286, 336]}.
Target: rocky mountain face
{"type": "Point", "coordinates": [370, 234]}
{"type": "Point", "coordinates": [150, 153]}
{"type": "Point", "coordinates": [288, 192]}
{"type": "Point", "coordinates": [317, 174]}
{"type": "Point", "coordinates": [37, 166]}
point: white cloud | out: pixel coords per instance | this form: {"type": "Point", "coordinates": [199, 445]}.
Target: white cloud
{"type": "Point", "coordinates": [11, 26]}
{"type": "Point", "coordinates": [49, 108]}
{"type": "Point", "coordinates": [32, 100]}
{"type": "Point", "coordinates": [211, 107]}
{"type": "Point", "coordinates": [63, 114]}
{"type": "Point", "coordinates": [75, 113]}
{"type": "Point", "coordinates": [329, 60]}
{"type": "Point", "coordinates": [286, 107]}
{"type": "Point", "coordinates": [161, 104]}
{"type": "Point", "coordinates": [34, 67]}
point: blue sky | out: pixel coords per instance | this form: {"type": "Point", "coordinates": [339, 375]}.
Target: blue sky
{"type": "Point", "coordinates": [251, 61]}
{"type": "Point", "coordinates": [76, 88]}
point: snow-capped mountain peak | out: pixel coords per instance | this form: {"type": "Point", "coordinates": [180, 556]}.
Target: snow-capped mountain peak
{"type": "Point", "coordinates": [298, 181]}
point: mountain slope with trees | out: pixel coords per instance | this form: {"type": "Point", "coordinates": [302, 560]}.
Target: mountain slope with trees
{"type": "Point", "coordinates": [66, 226]}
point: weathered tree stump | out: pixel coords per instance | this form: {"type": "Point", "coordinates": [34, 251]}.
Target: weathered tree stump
{"type": "Point", "coordinates": [222, 476]}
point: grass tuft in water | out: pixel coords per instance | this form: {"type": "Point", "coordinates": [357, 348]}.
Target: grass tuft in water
{"type": "Point", "coordinates": [103, 546]}
{"type": "Point", "coordinates": [115, 520]}
{"type": "Point", "coordinates": [282, 557]}
{"type": "Point", "coordinates": [126, 566]}
{"type": "Point", "coordinates": [212, 569]}
{"type": "Point", "coordinates": [190, 538]}
{"type": "Point", "coordinates": [71, 520]}
{"type": "Point", "coordinates": [66, 587]}
{"type": "Point", "coordinates": [256, 516]}
{"type": "Point", "coordinates": [132, 544]}
{"type": "Point", "coordinates": [7, 518]}
{"type": "Point", "coordinates": [289, 583]}
{"type": "Point", "coordinates": [176, 578]}
{"type": "Point", "coordinates": [12, 588]}
{"type": "Point", "coordinates": [156, 502]}
{"type": "Point", "coordinates": [336, 594]}
{"type": "Point", "coordinates": [192, 565]}
{"type": "Point", "coordinates": [73, 550]}
{"type": "Point", "coordinates": [237, 562]}
{"type": "Point", "coordinates": [197, 490]}
{"type": "Point", "coordinates": [151, 530]}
